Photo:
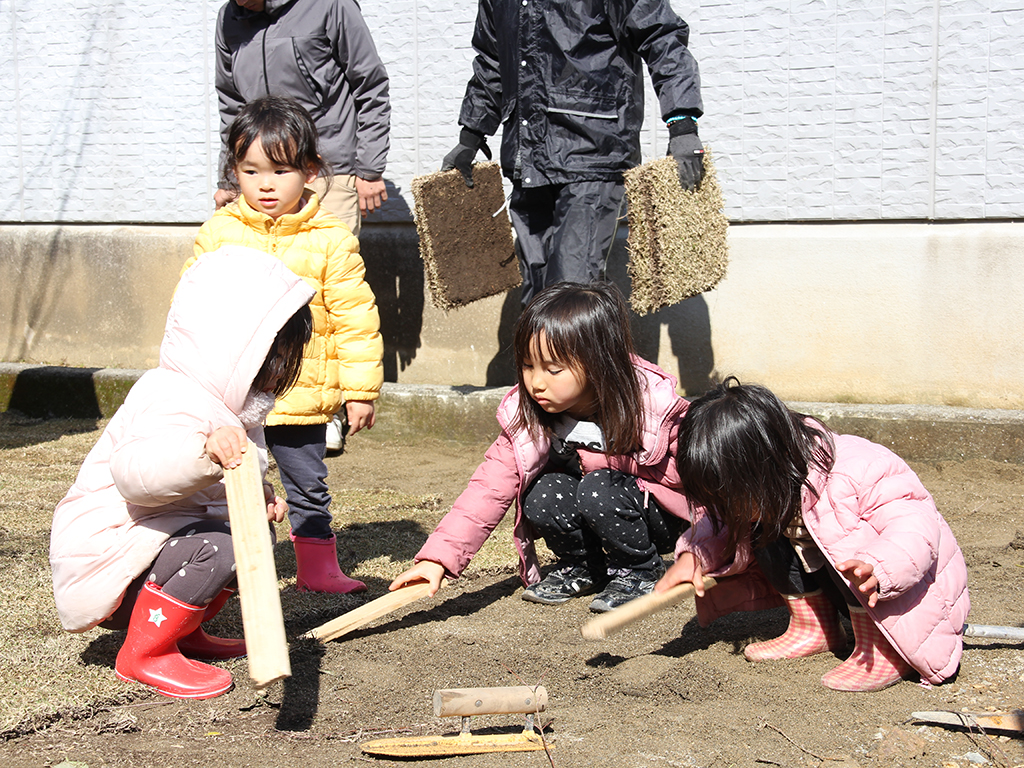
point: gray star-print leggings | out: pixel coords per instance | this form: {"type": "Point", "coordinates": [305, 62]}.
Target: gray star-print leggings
{"type": "Point", "coordinates": [601, 519]}
{"type": "Point", "coordinates": [194, 565]}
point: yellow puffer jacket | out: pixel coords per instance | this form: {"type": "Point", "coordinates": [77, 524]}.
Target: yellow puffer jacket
{"type": "Point", "coordinates": [343, 361]}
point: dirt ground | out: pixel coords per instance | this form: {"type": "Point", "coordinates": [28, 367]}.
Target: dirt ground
{"type": "Point", "coordinates": [664, 692]}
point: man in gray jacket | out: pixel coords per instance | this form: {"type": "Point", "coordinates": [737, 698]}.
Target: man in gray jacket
{"type": "Point", "coordinates": [320, 53]}
{"type": "Point", "coordinates": [564, 79]}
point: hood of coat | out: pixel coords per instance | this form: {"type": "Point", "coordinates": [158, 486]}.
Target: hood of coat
{"type": "Point", "coordinates": [227, 310]}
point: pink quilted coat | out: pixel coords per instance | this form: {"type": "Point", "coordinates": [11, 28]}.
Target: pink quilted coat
{"type": "Point", "coordinates": [514, 460]}
{"type": "Point", "coordinates": [871, 507]}
{"type": "Point", "coordinates": [148, 475]}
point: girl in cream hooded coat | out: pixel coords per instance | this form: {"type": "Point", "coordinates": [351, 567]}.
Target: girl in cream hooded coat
{"type": "Point", "coordinates": [155, 475]}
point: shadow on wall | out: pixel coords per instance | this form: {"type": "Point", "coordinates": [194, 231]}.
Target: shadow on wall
{"type": "Point", "coordinates": [395, 273]}
{"type": "Point", "coordinates": [36, 297]}
{"type": "Point", "coordinates": [501, 371]}
{"type": "Point", "coordinates": [49, 392]}
{"type": "Point", "coordinates": [688, 325]}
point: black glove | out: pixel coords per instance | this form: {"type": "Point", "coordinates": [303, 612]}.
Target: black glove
{"type": "Point", "coordinates": [684, 145]}
{"type": "Point", "coordinates": [463, 155]}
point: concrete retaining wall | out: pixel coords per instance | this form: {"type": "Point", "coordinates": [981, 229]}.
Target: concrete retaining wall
{"type": "Point", "coordinates": [877, 313]}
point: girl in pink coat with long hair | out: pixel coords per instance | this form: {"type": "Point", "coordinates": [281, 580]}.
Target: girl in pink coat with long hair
{"type": "Point", "coordinates": [585, 456]}
{"type": "Point", "coordinates": [834, 523]}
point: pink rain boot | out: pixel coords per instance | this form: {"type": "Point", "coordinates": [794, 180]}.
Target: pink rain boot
{"type": "Point", "coordinates": [317, 568]}
{"type": "Point", "coordinates": [874, 663]}
{"type": "Point", "coordinates": [200, 645]}
{"type": "Point", "coordinates": [150, 653]}
{"type": "Point", "coordinates": [813, 628]}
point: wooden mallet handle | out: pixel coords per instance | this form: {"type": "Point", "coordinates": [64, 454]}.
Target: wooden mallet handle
{"type": "Point", "coordinates": [262, 619]}
{"type": "Point", "coordinates": [364, 614]}
{"type": "Point", "coordinates": [608, 623]}
{"type": "Point", "coordinates": [489, 701]}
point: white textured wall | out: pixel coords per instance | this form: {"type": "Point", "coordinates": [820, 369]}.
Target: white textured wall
{"type": "Point", "coordinates": [865, 109]}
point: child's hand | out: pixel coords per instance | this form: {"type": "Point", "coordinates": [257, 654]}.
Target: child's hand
{"type": "Point", "coordinates": [224, 196]}
{"type": "Point", "coordinates": [685, 568]}
{"type": "Point", "coordinates": [277, 508]}
{"type": "Point", "coordinates": [424, 570]}
{"type": "Point", "coordinates": [863, 577]}
{"type": "Point", "coordinates": [360, 415]}
{"type": "Point", "coordinates": [225, 446]}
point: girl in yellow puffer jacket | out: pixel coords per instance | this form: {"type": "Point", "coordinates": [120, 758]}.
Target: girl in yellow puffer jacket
{"type": "Point", "coordinates": [272, 152]}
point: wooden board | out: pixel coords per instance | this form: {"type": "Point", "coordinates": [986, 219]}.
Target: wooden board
{"type": "Point", "coordinates": [364, 614]}
{"type": "Point", "coordinates": [465, 236]}
{"type": "Point", "coordinates": [608, 623]}
{"type": "Point", "coordinates": [262, 618]}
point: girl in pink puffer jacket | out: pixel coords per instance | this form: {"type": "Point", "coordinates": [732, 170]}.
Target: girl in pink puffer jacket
{"type": "Point", "coordinates": [831, 521]}
{"type": "Point", "coordinates": [585, 454]}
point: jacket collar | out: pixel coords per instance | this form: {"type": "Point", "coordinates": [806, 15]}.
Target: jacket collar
{"type": "Point", "coordinates": [285, 225]}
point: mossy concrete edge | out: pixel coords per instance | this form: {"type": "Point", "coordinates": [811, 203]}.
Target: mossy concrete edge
{"type": "Point", "coordinates": [466, 414]}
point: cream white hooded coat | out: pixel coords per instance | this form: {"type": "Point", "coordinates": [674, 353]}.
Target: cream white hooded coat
{"type": "Point", "coordinates": [149, 475]}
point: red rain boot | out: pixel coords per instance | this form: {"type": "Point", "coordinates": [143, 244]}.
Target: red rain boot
{"type": "Point", "coordinates": [317, 568]}
{"type": "Point", "coordinates": [813, 628]}
{"type": "Point", "coordinates": [200, 645]}
{"type": "Point", "coordinates": [150, 653]}
{"type": "Point", "coordinates": [874, 663]}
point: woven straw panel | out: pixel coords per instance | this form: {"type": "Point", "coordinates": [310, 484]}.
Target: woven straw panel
{"type": "Point", "coordinates": [677, 239]}
{"type": "Point", "coordinates": [465, 236]}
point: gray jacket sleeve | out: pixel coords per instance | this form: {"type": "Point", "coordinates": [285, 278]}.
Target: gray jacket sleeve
{"type": "Point", "coordinates": [229, 100]}
{"type": "Point", "coordinates": [368, 80]}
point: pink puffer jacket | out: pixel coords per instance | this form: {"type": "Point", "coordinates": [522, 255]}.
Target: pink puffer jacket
{"type": "Point", "coordinates": [871, 507]}
{"type": "Point", "coordinates": [515, 459]}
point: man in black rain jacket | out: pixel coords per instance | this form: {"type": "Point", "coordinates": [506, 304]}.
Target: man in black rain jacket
{"type": "Point", "coordinates": [564, 79]}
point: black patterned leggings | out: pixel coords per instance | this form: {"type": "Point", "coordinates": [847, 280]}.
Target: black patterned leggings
{"type": "Point", "coordinates": [602, 519]}
{"type": "Point", "coordinates": [195, 564]}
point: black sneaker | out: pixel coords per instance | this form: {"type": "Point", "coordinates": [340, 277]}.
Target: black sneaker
{"type": "Point", "coordinates": [625, 587]}
{"type": "Point", "coordinates": [563, 583]}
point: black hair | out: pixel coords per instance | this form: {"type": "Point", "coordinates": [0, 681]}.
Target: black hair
{"type": "Point", "coordinates": [745, 457]}
{"type": "Point", "coordinates": [286, 131]}
{"type": "Point", "coordinates": [281, 368]}
{"type": "Point", "coordinates": [586, 328]}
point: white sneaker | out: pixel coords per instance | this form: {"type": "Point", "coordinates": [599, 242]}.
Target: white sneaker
{"type": "Point", "coordinates": [336, 434]}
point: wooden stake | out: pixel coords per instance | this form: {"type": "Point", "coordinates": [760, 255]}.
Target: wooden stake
{"type": "Point", "coordinates": [364, 614]}
{"type": "Point", "coordinates": [611, 622]}
{"type": "Point", "coordinates": [262, 619]}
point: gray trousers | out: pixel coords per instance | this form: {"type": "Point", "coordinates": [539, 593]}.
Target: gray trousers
{"type": "Point", "coordinates": [195, 564]}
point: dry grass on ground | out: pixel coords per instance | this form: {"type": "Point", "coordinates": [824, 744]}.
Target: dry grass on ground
{"type": "Point", "coordinates": [46, 672]}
